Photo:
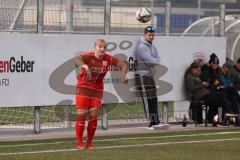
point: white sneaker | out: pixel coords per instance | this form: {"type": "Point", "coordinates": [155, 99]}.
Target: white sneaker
{"type": "Point", "coordinates": [215, 118]}
{"type": "Point", "coordinates": [161, 126]}
{"type": "Point", "coordinates": [150, 128]}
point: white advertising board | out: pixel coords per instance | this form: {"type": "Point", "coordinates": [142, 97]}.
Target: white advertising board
{"type": "Point", "coordinates": [37, 70]}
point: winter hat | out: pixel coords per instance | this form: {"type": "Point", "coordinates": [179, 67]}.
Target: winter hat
{"type": "Point", "coordinates": [227, 65]}
{"type": "Point", "coordinates": [213, 58]}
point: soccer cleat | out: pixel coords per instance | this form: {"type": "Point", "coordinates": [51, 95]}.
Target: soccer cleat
{"type": "Point", "coordinates": [80, 147]}
{"type": "Point", "coordinates": [89, 147]}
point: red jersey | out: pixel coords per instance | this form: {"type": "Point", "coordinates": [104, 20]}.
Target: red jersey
{"type": "Point", "coordinates": [98, 68]}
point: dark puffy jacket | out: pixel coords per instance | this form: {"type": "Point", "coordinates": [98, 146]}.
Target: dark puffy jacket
{"type": "Point", "coordinates": [211, 76]}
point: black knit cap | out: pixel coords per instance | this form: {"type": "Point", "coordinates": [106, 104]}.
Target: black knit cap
{"type": "Point", "coordinates": [213, 58]}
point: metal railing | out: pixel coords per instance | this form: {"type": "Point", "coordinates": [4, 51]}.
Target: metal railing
{"type": "Point", "coordinates": [83, 16]}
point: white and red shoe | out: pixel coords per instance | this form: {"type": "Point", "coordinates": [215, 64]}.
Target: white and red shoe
{"type": "Point", "coordinates": [80, 147]}
{"type": "Point", "coordinates": [89, 147]}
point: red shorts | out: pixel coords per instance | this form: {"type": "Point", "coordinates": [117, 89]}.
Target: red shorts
{"type": "Point", "coordinates": [85, 102]}
{"type": "Point", "coordinates": [87, 98]}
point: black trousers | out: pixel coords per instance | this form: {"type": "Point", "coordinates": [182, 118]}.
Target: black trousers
{"type": "Point", "coordinates": [214, 100]}
{"type": "Point", "coordinates": [148, 92]}
{"type": "Point", "coordinates": [234, 98]}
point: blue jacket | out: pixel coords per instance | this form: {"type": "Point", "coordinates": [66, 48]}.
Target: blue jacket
{"type": "Point", "coordinates": [225, 80]}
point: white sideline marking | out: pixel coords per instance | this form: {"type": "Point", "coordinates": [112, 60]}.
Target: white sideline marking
{"type": "Point", "coordinates": [120, 139]}
{"type": "Point", "coordinates": [122, 146]}
{"type": "Point", "coordinates": [172, 136]}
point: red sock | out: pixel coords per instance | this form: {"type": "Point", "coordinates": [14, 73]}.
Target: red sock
{"type": "Point", "coordinates": [80, 125]}
{"type": "Point", "coordinates": [92, 125]}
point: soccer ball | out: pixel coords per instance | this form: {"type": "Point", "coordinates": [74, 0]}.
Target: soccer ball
{"type": "Point", "coordinates": [143, 14]}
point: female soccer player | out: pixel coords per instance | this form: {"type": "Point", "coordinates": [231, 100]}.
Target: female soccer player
{"type": "Point", "coordinates": [92, 67]}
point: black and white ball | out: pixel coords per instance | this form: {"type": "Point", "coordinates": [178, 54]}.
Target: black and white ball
{"type": "Point", "coordinates": [143, 15]}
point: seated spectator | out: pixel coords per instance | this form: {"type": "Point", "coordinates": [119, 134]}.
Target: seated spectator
{"type": "Point", "coordinates": [224, 75]}
{"type": "Point", "coordinates": [197, 90]}
{"type": "Point", "coordinates": [228, 88]}
{"type": "Point", "coordinates": [235, 75]}
{"type": "Point", "coordinates": [210, 74]}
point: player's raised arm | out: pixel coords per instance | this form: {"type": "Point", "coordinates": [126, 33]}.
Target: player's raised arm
{"type": "Point", "coordinates": [123, 65]}
{"type": "Point", "coordinates": [78, 60]}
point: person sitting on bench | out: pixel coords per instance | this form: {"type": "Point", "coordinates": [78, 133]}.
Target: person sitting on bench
{"type": "Point", "coordinates": [197, 91]}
